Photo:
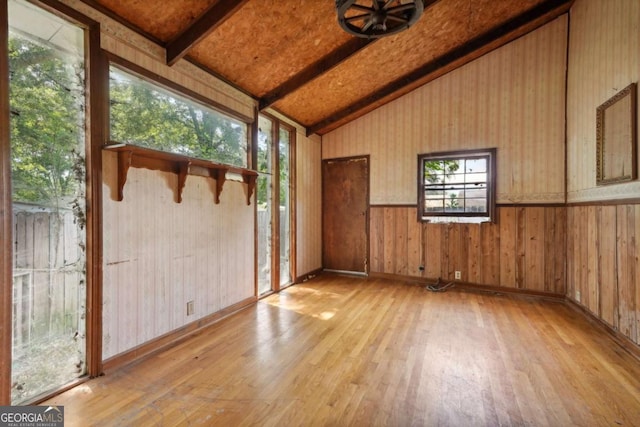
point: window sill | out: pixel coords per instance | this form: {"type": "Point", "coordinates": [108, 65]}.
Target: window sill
{"type": "Point", "coordinates": [456, 219]}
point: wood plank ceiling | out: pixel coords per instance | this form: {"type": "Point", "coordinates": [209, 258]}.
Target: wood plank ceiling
{"type": "Point", "coordinates": [293, 56]}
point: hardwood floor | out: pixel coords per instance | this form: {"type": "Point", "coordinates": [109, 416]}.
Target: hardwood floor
{"type": "Point", "coordinates": [350, 351]}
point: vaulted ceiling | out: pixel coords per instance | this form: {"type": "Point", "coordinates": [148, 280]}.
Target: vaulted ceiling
{"type": "Point", "coordinates": [292, 55]}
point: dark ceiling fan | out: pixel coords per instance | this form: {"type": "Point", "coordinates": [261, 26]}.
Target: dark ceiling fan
{"type": "Point", "coordinates": [377, 18]}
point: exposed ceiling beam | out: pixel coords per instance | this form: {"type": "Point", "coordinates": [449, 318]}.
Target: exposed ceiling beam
{"type": "Point", "coordinates": [120, 20]}
{"type": "Point", "coordinates": [315, 70]}
{"type": "Point", "coordinates": [320, 67]}
{"type": "Point", "coordinates": [203, 26]}
{"type": "Point", "coordinates": [550, 9]}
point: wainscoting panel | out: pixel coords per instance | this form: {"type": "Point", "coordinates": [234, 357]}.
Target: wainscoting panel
{"type": "Point", "coordinates": [524, 249]}
{"type": "Point", "coordinates": [603, 264]}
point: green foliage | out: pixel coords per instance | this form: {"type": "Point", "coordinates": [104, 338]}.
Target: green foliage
{"type": "Point", "coordinates": [265, 162]}
{"type": "Point", "coordinates": [453, 201]}
{"type": "Point", "coordinates": [143, 115]}
{"type": "Point", "coordinates": [47, 123]}
{"type": "Point", "coordinates": [47, 106]}
{"type": "Point", "coordinates": [436, 170]}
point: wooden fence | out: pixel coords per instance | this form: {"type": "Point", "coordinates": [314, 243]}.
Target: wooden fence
{"type": "Point", "coordinates": [48, 275]}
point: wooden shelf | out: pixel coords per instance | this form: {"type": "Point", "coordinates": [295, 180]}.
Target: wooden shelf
{"type": "Point", "coordinates": [141, 157]}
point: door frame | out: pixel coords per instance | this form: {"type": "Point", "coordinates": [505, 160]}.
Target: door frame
{"type": "Point", "coordinates": [367, 264]}
{"type": "Point", "coordinates": [277, 124]}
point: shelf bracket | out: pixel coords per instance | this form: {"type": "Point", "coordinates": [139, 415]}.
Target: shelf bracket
{"type": "Point", "coordinates": [124, 163]}
{"type": "Point", "coordinates": [250, 180]}
{"type": "Point", "coordinates": [183, 171]}
{"type": "Point", "coordinates": [140, 157]}
{"type": "Point", "coordinates": [220, 175]}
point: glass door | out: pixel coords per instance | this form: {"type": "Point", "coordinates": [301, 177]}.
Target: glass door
{"type": "Point", "coordinates": [275, 225]}
{"type": "Point", "coordinates": [47, 103]}
{"type": "Point", "coordinates": [265, 190]}
{"type": "Point", "coordinates": [285, 216]}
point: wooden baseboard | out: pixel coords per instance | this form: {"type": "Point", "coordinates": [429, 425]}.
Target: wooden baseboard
{"type": "Point", "coordinates": [473, 286]}
{"type": "Point", "coordinates": [172, 338]}
{"type": "Point", "coordinates": [513, 291]}
{"type": "Point", "coordinates": [628, 345]}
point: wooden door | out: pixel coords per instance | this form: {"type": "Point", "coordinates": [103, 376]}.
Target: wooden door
{"type": "Point", "coordinates": [345, 214]}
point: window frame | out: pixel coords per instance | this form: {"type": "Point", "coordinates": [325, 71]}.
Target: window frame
{"type": "Point", "coordinates": [278, 125]}
{"type": "Point", "coordinates": [179, 91]}
{"type": "Point", "coordinates": [95, 97]}
{"type": "Point", "coordinates": [489, 153]}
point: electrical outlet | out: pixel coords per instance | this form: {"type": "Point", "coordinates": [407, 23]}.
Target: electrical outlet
{"type": "Point", "coordinates": [458, 275]}
{"type": "Point", "coordinates": [190, 308]}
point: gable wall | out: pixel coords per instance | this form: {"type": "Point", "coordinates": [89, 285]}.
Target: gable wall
{"type": "Point", "coordinates": [511, 99]}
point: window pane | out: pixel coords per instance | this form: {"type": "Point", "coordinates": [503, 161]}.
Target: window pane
{"type": "Point", "coordinates": [476, 165]}
{"type": "Point", "coordinates": [265, 142]}
{"type": "Point", "coordinates": [475, 194]}
{"type": "Point", "coordinates": [47, 101]}
{"type": "Point", "coordinates": [434, 205]}
{"type": "Point", "coordinates": [434, 178]}
{"type": "Point", "coordinates": [452, 166]}
{"type": "Point", "coordinates": [145, 114]}
{"type": "Point", "coordinates": [265, 227]}
{"type": "Point", "coordinates": [455, 184]}
{"type": "Point", "coordinates": [285, 230]}
{"type": "Point", "coordinates": [476, 177]}
{"type": "Point", "coordinates": [434, 195]}
{"type": "Point", "coordinates": [265, 203]}
{"type": "Point", "coordinates": [454, 178]}
{"type": "Point", "coordinates": [476, 205]}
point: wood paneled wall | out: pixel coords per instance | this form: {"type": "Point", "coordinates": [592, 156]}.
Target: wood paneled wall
{"type": "Point", "coordinates": [603, 59]}
{"type": "Point", "coordinates": [602, 245]}
{"type": "Point", "coordinates": [524, 250]}
{"type": "Point", "coordinates": [308, 203]}
{"type": "Point", "coordinates": [512, 98]}
{"type": "Point", "coordinates": [158, 254]}
{"type": "Point", "coordinates": [603, 266]}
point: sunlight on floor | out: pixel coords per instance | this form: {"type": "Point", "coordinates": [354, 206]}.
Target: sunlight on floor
{"type": "Point", "coordinates": [80, 390]}
{"type": "Point", "coordinates": [286, 301]}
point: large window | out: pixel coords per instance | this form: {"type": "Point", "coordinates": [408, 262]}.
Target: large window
{"type": "Point", "coordinates": [457, 186]}
{"type": "Point", "coordinates": [275, 213]}
{"type": "Point", "coordinates": [284, 210]}
{"type": "Point", "coordinates": [145, 114]}
{"type": "Point", "coordinates": [265, 190]}
{"type": "Point", "coordinates": [47, 101]}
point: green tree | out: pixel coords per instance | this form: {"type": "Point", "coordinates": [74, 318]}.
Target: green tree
{"type": "Point", "coordinates": [435, 171]}
{"type": "Point", "coordinates": [47, 105]}
{"type": "Point", "coordinates": [143, 115]}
